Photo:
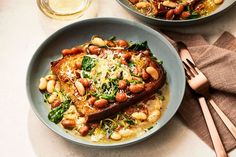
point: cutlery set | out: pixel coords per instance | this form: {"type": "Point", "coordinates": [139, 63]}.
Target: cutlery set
{"type": "Point", "coordinates": [200, 84]}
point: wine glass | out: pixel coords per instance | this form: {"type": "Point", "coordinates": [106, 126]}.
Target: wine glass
{"type": "Point", "coordinates": [63, 9]}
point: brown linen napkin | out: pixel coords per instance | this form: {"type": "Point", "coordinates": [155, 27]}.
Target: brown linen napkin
{"type": "Point", "coordinates": [218, 63]}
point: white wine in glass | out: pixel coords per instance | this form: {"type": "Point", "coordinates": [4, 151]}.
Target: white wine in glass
{"type": "Point", "coordinates": [63, 9]}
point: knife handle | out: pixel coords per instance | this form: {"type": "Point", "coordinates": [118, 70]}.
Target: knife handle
{"type": "Point", "coordinates": [224, 118]}
{"type": "Point", "coordinates": [215, 137]}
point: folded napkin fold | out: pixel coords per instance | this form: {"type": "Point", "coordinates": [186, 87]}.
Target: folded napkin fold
{"type": "Point", "coordinates": [218, 63]}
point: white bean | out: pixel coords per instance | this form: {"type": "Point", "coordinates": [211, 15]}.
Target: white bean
{"type": "Point", "coordinates": [115, 136]}
{"type": "Point", "coordinates": [153, 117]}
{"type": "Point", "coordinates": [52, 97]}
{"type": "Point", "coordinates": [126, 132]}
{"type": "Point", "coordinates": [98, 41]}
{"type": "Point", "coordinates": [42, 83]}
{"type": "Point", "coordinates": [51, 86]}
{"type": "Point", "coordinates": [80, 88]}
{"type": "Point", "coordinates": [81, 120]}
{"type": "Point", "coordinates": [218, 1]}
{"type": "Point", "coordinates": [50, 77]}
{"type": "Point", "coordinates": [170, 4]}
{"type": "Point", "coordinates": [158, 104]}
{"type": "Point", "coordinates": [139, 115]}
{"type": "Point", "coordinates": [58, 86]}
{"type": "Point", "coordinates": [153, 72]}
{"type": "Point", "coordinates": [143, 5]}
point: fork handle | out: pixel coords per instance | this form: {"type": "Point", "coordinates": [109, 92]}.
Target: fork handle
{"type": "Point", "coordinates": [215, 137]}
{"type": "Point", "coordinates": [224, 118]}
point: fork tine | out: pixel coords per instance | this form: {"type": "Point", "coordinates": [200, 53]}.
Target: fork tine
{"type": "Point", "coordinates": [186, 74]}
{"type": "Point", "coordinates": [192, 66]}
{"type": "Point", "coordinates": [189, 71]}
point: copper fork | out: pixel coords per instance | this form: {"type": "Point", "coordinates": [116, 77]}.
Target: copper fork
{"type": "Point", "coordinates": [199, 83]}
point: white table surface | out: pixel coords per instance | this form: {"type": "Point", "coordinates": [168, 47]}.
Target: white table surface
{"type": "Point", "coordinates": [22, 29]}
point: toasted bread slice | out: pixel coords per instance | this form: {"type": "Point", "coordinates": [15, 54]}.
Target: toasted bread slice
{"type": "Point", "coordinates": [103, 71]}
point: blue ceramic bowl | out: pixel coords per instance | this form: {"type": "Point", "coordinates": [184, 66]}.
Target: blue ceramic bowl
{"type": "Point", "coordinates": [81, 32]}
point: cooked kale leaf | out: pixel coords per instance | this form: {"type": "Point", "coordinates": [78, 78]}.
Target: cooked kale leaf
{"type": "Point", "coordinates": [129, 121]}
{"type": "Point", "coordinates": [112, 38]}
{"type": "Point", "coordinates": [131, 64]}
{"type": "Point", "coordinates": [193, 14]}
{"type": "Point", "coordinates": [46, 96]}
{"type": "Point", "coordinates": [139, 46]}
{"type": "Point", "coordinates": [56, 114]}
{"type": "Point", "coordinates": [160, 62]}
{"type": "Point", "coordinates": [88, 63]}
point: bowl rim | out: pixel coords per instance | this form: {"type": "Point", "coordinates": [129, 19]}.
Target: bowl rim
{"type": "Point", "coordinates": [106, 19]}
{"type": "Point", "coordinates": [189, 21]}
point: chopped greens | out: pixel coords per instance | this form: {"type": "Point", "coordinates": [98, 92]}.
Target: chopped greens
{"type": "Point", "coordinates": [108, 125]}
{"type": "Point", "coordinates": [91, 132]}
{"type": "Point", "coordinates": [161, 97]}
{"type": "Point", "coordinates": [160, 62]}
{"type": "Point", "coordinates": [56, 114]}
{"type": "Point", "coordinates": [131, 64]}
{"type": "Point", "coordinates": [153, 57]}
{"type": "Point", "coordinates": [135, 81]}
{"type": "Point", "coordinates": [129, 121]}
{"type": "Point", "coordinates": [112, 38]}
{"type": "Point", "coordinates": [46, 96]}
{"type": "Point", "coordinates": [88, 63]}
{"type": "Point", "coordinates": [85, 75]}
{"type": "Point", "coordinates": [108, 90]}
{"type": "Point", "coordinates": [194, 15]}
{"type": "Point", "coordinates": [139, 46]}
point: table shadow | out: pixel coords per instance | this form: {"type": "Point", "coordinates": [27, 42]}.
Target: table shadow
{"type": "Point", "coordinates": [46, 143]}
